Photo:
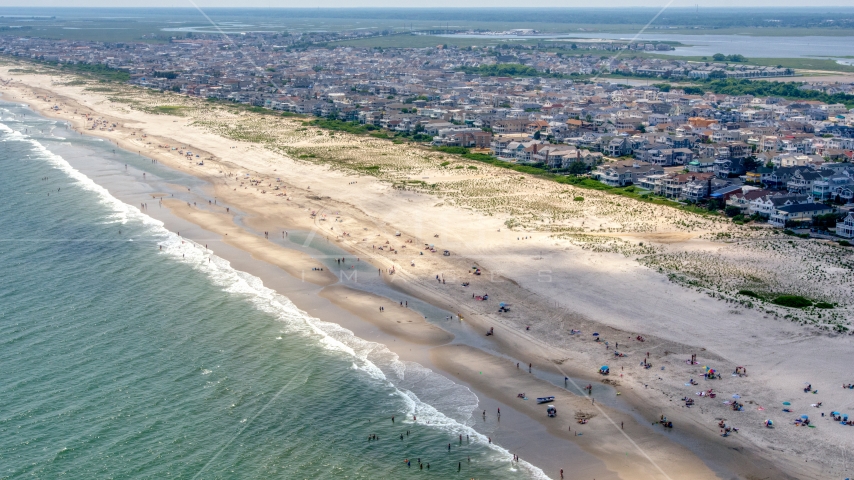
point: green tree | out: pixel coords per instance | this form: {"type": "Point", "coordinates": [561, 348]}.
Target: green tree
{"type": "Point", "coordinates": [577, 168]}
{"type": "Point", "coordinates": [719, 57]}
{"type": "Point", "coordinates": [750, 164]}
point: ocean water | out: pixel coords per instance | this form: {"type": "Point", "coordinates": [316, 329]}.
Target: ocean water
{"type": "Point", "coordinates": [129, 352]}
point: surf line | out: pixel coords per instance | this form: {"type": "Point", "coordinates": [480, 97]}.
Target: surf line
{"type": "Point", "coordinates": [250, 421]}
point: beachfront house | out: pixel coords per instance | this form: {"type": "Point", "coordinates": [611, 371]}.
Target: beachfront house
{"type": "Point", "coordinates": [800, 213]}
{"type": "Point", "coordinates": [765, 205]}
{"type": "Point", "coordinates": [833, 186]}
{"type": "Point", "coordinates": [803, 179]}
{"type": "Point", "coordinates": [845, 228]}
{"type": "Point", "coordinates": [620, 174]}
{"type": "Point", "coordinates": [743, 200]}
{"type": "Point", "coordinates": [618, 147]}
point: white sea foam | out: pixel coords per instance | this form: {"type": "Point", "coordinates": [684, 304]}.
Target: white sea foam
{"type": "Point", "coordinates": [411, 380]}
{"type": "Point", "coordinates": [437, 401]}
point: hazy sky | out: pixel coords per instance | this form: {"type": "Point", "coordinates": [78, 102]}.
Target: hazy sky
{"type": "Point", "coordinates": [422, 3]}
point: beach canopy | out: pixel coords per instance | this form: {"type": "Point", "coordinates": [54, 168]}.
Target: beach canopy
{"type": "Point", "coordinates": [604, 367]}
{"type": "Point", "coordinates": [736, 396]}
{"type": "Point", "coordinates": [834, 413]}
{"type": "Point", "coordinates": [595, 334]}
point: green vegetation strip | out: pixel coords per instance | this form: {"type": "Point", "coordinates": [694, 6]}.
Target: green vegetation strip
{"type": "Point", "coordinates": [508, 70]}
{"type": "Point", "coordinates": [791, 301]}
{"type": "Point", "coordinates": [763, 88]}
{"type": "Point", "coordinates": [581, 182]}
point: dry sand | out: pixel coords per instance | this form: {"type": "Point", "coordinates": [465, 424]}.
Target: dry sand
{"type": "Point", "coordinates": [566, 264]}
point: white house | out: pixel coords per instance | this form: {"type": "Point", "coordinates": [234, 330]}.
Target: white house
{"type": "Point", "coordinates": [845, 228]}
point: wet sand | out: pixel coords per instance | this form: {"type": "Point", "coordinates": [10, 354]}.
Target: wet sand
{"type": "Point", "coordinates": [295, 263]}
{"type": "Point", "coordinates": [636, 453]}
{"type": "Point", "coordinates": [394, 319]}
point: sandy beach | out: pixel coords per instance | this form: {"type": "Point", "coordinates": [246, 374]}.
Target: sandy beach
{"type": "Point", "coordinates": [600, 435]}
{"type": "Point", "coordinates": [655, 283]}
{"type": "Point", "coordinates": [395, 320]}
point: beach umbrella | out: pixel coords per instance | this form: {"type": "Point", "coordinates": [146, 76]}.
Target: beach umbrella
{"type": "Point", "coordinates": [604, 367]}
{"type": "Point", "coordinates": [736, 396]}
{"type": "Point", "coordinates": [787, 403]}
{"type": "Point", "coordinates": [834, 413]}
{"type": "Point", "coordinates": [805, 417]}
{"type": "Point", "coordinates": [595, 334]}
{"type": "Point", "coordinates": [501, 304]}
